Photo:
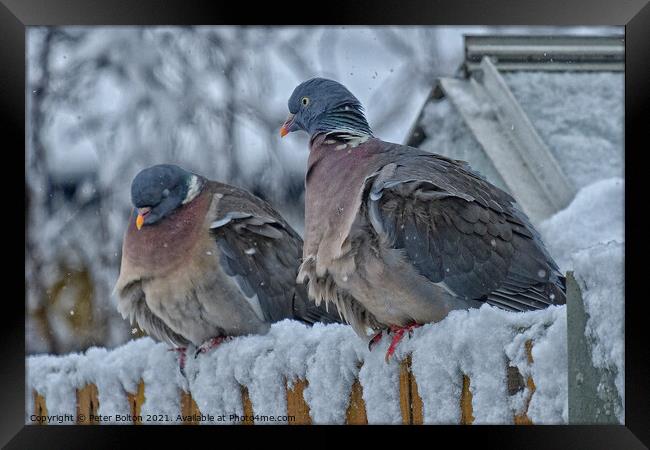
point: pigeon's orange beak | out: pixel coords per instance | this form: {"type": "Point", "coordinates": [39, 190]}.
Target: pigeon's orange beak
{"type": "Point", "coordinates": [139, 221]}
{"type": "Point", "coordinates": [286, 126]}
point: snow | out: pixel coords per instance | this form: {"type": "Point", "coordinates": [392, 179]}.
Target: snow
{"type": "Point", "coordinates": [380, 384]}
{"type": "Point", "coordinates": [479, 343]}
{"type": "Point", "coordinates": [330, 358]}
{"type": "Point", "coordinates": [114, 372]}
{"type": "Point", "coordinates": [595, 216]}
{"type": "Point", "coordinates": [579, 116]}
{"type": "Point", "coordinates": [549, 372]}
{"type": "Point", "coordinates": [327, 400]}
{"type": "Point", "coordinates": [600, 273]}
{"type": "Point", "coordinates": [56, 378]}
{"type": "Point", "coordinates": [588, 238]}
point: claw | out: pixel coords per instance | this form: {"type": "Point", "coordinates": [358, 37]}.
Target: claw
{"type": "Point", "coordinates": [210, 344]}
{"type": "Point", "coordinates": [375, 339]}
{"type": "Point", "coordinates": [399, 334]}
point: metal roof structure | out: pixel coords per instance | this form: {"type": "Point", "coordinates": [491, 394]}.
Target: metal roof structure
{"type": "Point", "coordinates": [507, 136]}
{"type": "Point", "coordinates": [556, 53]}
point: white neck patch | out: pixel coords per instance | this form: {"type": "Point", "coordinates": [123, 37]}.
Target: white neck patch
{"type": "Point", "coordinates": [193, 190]}
{"type": "Point", "coordinates": [351, 137]}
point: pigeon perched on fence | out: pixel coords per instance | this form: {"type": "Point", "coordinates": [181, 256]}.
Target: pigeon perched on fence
{"type": "Point", "coordinates": [203, 260]}
{"type": "Point", "coordinates": [397, 237]}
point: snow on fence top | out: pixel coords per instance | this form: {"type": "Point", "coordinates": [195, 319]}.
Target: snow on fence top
{"type": "Point", "coordinates": [466, 355]}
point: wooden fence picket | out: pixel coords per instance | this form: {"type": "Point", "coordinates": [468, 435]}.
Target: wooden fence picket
{"type": "Point", "coordinates": [296, 405]}
{"type": "Point", "coordinates": [189, 408]}
{"type": "Point", "coordinates": [247, 406]}
{"type": "Point", "coordinates": [87, 404]}
{"type": "Point", "coordinates": [40, 408]}
{"type": "Point", "coordinates": [356, 412]}
{"type": "Point", "coordinates": [135, 402]}
{"type": "Point", "coordinates": [522, 418]}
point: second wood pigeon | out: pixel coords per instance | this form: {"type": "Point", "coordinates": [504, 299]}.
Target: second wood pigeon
{"type": "Point", "coordinates": [203, 260]}
{"type": "Point", "coordinates": [397, 237]}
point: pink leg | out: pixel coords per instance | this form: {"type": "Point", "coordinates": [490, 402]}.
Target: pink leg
{"type": "Point", "coordinates": [399, 334]}
{"type": "Point", "coordinates": [181, 356]}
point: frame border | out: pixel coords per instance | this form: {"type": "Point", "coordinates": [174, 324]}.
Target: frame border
{"type": "Point", "coordinates": [16, 15]}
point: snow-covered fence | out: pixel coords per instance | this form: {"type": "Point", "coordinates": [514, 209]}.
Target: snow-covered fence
{"type": "Point", "coordinates": [411, 406]}
{"type": "Point", "coordinates": [478, 366]}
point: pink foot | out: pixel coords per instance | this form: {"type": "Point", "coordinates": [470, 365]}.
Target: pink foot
{"type": "Point", "coordinates": [210, 344]}
{"type": "Point", "coordinates": [181, 356]}
{"type": "Point", "coordinates": [399, 334]}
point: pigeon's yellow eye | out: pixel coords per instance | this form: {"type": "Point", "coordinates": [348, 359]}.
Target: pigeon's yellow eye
{"type": "Point", "coordinates": [305, 101]}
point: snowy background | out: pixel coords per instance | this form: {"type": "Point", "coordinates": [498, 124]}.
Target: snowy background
{"type": "Point", "coordinates": [103, 103]}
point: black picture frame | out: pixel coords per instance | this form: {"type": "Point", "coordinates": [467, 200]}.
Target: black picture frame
{"type": "Point", "coordinates": [16, 15]}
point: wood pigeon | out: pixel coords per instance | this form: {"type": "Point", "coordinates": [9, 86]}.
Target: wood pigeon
{"type": "Point", "coordinates": [397, 237]}
{"type": "Point", "coordinates": [202, 260]}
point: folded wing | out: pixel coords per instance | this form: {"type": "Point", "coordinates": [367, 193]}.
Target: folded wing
{"type": "Point", "coordinates": [461, 232]}
{"type": "Point", "coordinates": [261, 252]}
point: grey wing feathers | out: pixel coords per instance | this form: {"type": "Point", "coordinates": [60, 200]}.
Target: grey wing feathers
{"type": "Point", "coordinates": [262, 253]}
{"type": "Point", "coordinates": [462, 232]}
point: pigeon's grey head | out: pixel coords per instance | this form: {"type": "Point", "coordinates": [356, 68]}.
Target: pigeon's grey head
{"type": "Point", "coordinates": [159, 190]}
{"type": "Point", "coordinates": [320, 105]}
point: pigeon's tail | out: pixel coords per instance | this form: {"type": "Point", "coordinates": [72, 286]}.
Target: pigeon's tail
{"type": "Point", "coordinates": [534, 296]}
{"type": "Point", "coordinates": [306, 310]}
